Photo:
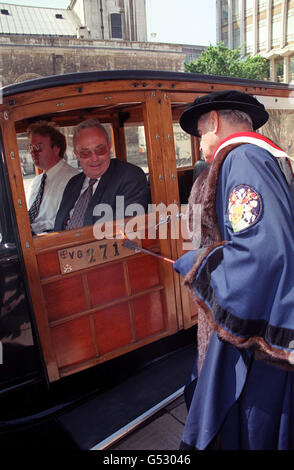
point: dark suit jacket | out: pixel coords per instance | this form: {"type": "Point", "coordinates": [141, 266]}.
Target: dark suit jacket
{"type": "Point", "coordinates": [120, 179]}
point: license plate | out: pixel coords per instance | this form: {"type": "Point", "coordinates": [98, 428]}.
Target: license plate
{"type": "Point", "coordinates": [91, 254]}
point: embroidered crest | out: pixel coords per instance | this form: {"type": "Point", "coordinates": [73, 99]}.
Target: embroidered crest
{"type": "Point", "coordinates": [245, 207]}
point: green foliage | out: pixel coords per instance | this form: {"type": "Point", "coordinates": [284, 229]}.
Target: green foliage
{"type": "Point", "coordinates": [220, 60]}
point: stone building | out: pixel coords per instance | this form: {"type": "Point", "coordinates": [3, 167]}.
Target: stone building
{"type": "Point", "coordinates": [112, 19]}
{"type": "Point", "coordinates": [264, 27]}
{"type": "Point", "coordinates": [88, 35]}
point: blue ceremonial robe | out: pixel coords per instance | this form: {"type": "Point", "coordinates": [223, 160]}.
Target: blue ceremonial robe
{"type": "Point", "coordinates": [247, 286]}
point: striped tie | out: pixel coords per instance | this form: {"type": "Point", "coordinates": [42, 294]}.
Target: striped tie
{"type": "Point", "coordinates": [35, 207]}
{"type": "Point", "coordinates": [77, 218]}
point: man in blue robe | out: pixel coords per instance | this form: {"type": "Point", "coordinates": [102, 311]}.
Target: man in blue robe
{"type": "Point", "coordinates": [242, 280]}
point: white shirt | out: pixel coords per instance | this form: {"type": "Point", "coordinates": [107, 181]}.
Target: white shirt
{"type": "Point", "coordinates": [57, 178]}
{"type": "Point", "coordinates": [86, 184]}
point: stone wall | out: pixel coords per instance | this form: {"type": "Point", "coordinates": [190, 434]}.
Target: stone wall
{"type": "Point", "coordinates": [25, 57]}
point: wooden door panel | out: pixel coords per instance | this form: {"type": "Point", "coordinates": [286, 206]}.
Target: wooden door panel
{"type": "Point", "coordinates": [48, 264]}
{"type": "Point", "coordinates": [143, 273]}
{"type": "Point", "coordinates": [113, 327]}
{"type": "Point", "coordinates": [64, 298]}
{"type": "Point", "coordinates": [106, 284]}
{"type": "Point", "coordinates": [73, 342]}
{"type": "Point", "coordinates": [149, 314]}
{"type": "Point", "coordinates": [102, 311]}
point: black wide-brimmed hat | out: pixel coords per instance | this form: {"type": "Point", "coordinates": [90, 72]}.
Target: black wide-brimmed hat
{"type": "Point", "coordinates": [227, 99]}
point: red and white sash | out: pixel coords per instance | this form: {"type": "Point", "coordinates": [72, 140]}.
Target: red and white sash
{"type": "Point", "coordinates": [256, 139]}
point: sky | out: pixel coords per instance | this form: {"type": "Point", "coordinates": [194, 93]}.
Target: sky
{"type": "Point", "coordinates": [171, 21]}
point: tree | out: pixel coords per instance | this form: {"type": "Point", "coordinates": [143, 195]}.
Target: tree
{"type": "Point", "coordinates": [220, 60]}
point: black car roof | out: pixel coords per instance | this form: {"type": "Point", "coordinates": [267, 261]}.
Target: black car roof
{"type": "Point", "coordinates": [84, 77]}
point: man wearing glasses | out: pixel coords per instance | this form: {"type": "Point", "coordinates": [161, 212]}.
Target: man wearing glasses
{"type": "Point", "coordinates": [47, 147]}
{"type": "Point", "coordinates": [101, 181]}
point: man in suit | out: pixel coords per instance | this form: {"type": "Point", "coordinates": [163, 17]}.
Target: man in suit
{"type": "Point", "coordinates": [101, 180]}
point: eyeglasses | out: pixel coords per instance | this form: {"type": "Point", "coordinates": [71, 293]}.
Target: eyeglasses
{"type": "Point", "coordinates": [99, 151]}
{"type": "Point", "coordinates": [35, 148]}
